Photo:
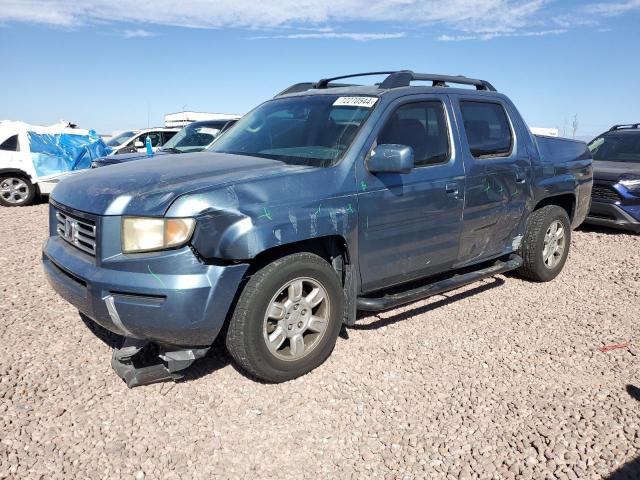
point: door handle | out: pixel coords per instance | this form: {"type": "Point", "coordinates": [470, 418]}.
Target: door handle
{"type": "Point", "coordinates": [451, 189]}
{"type": "Point", "coordinates": [520, 178]}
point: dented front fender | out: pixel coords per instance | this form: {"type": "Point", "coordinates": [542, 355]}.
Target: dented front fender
{"type": "Point", "coordinates": [238, 222]}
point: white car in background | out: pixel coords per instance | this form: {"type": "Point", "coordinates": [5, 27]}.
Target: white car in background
{"type": "Point", "coordinates": [133, 141]}
{"type": "Point", "coordinates": [33, 159]}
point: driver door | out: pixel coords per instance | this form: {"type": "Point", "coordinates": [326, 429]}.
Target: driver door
{"type": "Point", "coordinates": [409, 224]}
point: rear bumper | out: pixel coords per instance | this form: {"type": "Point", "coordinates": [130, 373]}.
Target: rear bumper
{"type": "Point", "coordinates": [171, 309]}
{"type": "Point", "coordinates": [616, 216]}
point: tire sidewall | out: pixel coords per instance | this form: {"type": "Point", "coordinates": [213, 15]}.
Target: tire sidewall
{"type": "Point", "coordinates": [546, 274]}
{"type": "Point", "coordinates": [30, 196]}
{"type": "Point", "coordinates": [253, 332]}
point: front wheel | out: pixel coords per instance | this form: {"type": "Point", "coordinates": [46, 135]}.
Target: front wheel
{"type": "Point", "coordinates": [545, 245]}
{"type": "Point", "coordinates": [16, 191]}
{"type": "Point", "coordinates": [287, 318]}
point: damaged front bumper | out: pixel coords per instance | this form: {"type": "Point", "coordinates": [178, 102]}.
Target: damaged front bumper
{"type": "Point", "coordinates": [170, 299]}
{"type": "Point", "coordinates": [138, 362]}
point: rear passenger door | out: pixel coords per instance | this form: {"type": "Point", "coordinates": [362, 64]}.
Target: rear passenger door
{"type": "Point", "coordinates": [410, 223]}
{"type": "Point", "coordinates": [498, 173]}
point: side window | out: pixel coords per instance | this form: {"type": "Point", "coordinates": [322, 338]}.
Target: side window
{"type": "Point", "coordinates": [167, 136]}
{"type": "Point", "coordinates": [487, 128]}
{"type": "Point", "coordinates": [423, 127]}
{"type": "Point", "coordinates": [156, 138]}
{"type": "Point", "coordinates": [10, 144]}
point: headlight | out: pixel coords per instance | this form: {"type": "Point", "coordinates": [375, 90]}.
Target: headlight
{"type": "Point", "coordinates": [632, 185]}
{"type": "Point", "coordinates": [150, 234]}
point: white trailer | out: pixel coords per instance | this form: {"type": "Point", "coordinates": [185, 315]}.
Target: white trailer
{"type": "Point", "coordinates": [182, 119]}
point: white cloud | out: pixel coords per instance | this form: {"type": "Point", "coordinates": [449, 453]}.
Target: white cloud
{"type": "Point", "coordinates": [139, 33]}
{"type": "Point", "coordinates": [594, 14]}
{"type": "Point", "coordinates": [360, 37]}
{"type": "Point", "coordinates": [461, 19]}
{"type": "Point", "coordinates": [491, 36]}
{"type": "Point", "coordinates": [465, 15]}
{"type": "Point", "coordinates": [613, 8]}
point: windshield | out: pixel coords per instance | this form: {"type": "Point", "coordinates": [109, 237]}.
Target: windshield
{"type": "Point", "coordinates": [616, 148]}
{"type": "Point", "coordinates": [120, 139]}
{"type": "Point", "coordinates": [192, 139]}
{"type": "Point", "coordinates": [311, 130]}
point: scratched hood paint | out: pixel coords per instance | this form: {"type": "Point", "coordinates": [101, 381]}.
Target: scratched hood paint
{"type": "Point", "coordinates": [148, 188]}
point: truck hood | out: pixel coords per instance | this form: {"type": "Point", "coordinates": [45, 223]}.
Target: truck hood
{"type": "Point", "coordinates": [614, 171]}
{"type": "Point", "coordinates": [126, 157]}
{"type": "Point", "coordinates": [149, 188]}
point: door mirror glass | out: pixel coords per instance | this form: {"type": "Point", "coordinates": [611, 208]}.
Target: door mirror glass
{"type": "Point", "coordinates": [391, 158]}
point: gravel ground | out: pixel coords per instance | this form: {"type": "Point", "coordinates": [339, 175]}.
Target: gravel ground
{"type": "Point", "coordinates": [502, 379]}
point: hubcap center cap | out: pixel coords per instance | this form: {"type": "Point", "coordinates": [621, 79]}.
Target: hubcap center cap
{"type": "Point", "coordinates": [296, 317]}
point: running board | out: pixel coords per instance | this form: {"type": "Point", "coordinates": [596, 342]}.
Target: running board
{"type": "Point", "coordinates": [386, 302]}
{"type": "Point", "coordinates": [139, 362]}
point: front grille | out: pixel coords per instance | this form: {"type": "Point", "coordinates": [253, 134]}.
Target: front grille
{"type": "Point", "coordinates": [605, 192]}
{"type": "Point", "coordinates": [79, 232]}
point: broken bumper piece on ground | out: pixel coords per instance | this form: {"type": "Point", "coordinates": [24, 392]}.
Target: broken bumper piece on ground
{"type": "Point", "coordinates": [139, 362]}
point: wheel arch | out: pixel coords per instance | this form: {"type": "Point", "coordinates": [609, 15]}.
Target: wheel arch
{"type": "Point", "coordinates": [333, 248]}
{"type": "Point", "coordinates": [566, 201]}
{"type": "Point", "coordinates": [16, 171]}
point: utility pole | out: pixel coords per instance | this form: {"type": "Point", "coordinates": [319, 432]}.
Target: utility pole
{"type": "Point", "coordinates": [574, 125]}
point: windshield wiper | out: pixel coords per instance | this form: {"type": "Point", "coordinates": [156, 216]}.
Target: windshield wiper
{"type": "Point", "coordinates": [170, 149]}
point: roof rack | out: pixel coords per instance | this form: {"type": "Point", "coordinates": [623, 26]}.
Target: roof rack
{"type": "Point", "coordinates": [395, 79]}
{"type": "Point", "coordinates": [624, 126]}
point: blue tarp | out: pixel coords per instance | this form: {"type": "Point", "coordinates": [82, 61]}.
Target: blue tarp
{"type": "Point", "coordinates": [54, 153]}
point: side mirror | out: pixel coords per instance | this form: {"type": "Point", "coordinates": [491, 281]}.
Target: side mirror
{"type": "Point", "coordinates": [391, 159]}
{"type": "Point", "coordinates": [138, 144]}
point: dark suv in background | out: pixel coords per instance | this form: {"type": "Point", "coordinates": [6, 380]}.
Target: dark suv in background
{"type": "Point", "coordinates": [616, 178]}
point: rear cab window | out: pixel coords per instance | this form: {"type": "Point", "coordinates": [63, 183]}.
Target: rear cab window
{"type": "Point", "coordinates": [487, 129]}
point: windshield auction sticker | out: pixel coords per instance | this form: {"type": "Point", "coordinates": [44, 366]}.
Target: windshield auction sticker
{"type": "Point", "coordinates": [365, 102]}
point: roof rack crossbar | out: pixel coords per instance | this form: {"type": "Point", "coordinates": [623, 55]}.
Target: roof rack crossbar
{"type": "Point", "coordinates": [404, 79]}
{"type": "Point", "coordinates": [324, 83]}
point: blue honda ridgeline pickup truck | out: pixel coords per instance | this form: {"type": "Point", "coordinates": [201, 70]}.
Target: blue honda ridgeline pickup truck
{"type": "Point", "coordinates": [328, 199]}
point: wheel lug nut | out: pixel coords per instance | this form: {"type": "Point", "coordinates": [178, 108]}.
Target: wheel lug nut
{"type": "Point", "coordinates": [295, 307]}
{"type": "Point", "coordinates": [299, 324]}
{"type": "Point", "coordinates": [289, 327]}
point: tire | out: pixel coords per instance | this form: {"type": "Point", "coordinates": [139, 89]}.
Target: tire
{"type": "Point", "coordinates": [293, 318]}
{"type": "Point", "coordinates": [16, 190]}
{"type": "Point", "coordinates": [542, 264]}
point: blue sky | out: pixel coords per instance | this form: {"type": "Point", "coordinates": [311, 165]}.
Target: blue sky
{"type": "Point", "coordinates": [106, 64]}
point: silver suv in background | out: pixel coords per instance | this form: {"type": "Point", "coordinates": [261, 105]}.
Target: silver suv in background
{"type": "Point", "coordinates": [132, 141]}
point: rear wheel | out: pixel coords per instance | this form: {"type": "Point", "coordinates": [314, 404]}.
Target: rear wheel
{"type": "Point", "coordinates": [545, 245]}
{"type": "Point", "coordinates": [287, 318]}
{"type": "Point", "coordinates": [16, 191]}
